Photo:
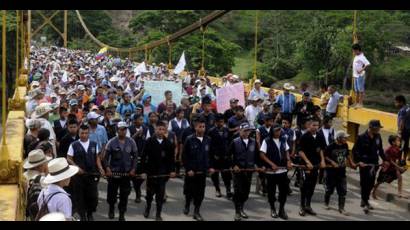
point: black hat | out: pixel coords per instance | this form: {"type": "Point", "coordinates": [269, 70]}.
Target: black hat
{"type": "Point", "coordinates": [268, 116]}
{"type": "Point", "coordinates": [206, 100]}
{"type": "Point", "coordinates": [375, 124]}
{"type": "Point", "coordinates": [219, 117]}
{"type": "Point", "coordinates": [306, 94]}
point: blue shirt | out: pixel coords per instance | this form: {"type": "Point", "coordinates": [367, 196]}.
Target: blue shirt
{"type": "Point", "coordinates": [287, 102]}
{"type": "Point", "coordinates": [260, 93]}
{"type": "Point", "coordinates": [123, 108]}
{"type": "Point", "coordinates": [99, 136]}
{"type": "Point", "coordinates": [401, 115]}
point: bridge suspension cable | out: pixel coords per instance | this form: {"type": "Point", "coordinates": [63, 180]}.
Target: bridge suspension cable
{"type": "Point", "coordinates": [180, 33]}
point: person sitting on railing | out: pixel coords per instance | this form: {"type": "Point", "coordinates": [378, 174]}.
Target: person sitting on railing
{"type": "Point", "coordinates": [332, 103]}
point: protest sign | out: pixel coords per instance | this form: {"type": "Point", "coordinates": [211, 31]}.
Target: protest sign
{"type": "Point", "coordinates": [224, 94]}
{"type": "Point", "coordinates": [157, 89]}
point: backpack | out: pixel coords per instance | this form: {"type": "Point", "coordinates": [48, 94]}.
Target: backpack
{"type": "Point", "coordinates": [44, 207]}
{"type": "Point", "coordinates": [32, 196]}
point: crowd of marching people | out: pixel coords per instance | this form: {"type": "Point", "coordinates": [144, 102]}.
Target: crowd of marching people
{"type": "Point", "coordinates": [90, 119]}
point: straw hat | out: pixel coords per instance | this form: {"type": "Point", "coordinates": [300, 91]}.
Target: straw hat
{"type": "Point", "coordinates": [35, 158]}
{"type": "Point", "coordinates": [58, 170]}
{"type": "Point", "coordinates": [54, 216]}
{"type": "Point", "coordinates": [42, 109]}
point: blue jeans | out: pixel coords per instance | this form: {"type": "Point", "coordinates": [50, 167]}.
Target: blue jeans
{"type": "Point", "coordinates": [359, 84]}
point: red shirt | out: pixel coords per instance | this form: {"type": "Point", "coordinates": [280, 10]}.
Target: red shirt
{"type": "Point", "coordinates": [392, 153]}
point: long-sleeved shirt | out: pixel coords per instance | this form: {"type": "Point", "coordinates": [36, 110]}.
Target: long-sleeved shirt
{"type": "Point", "coordinates": [287, 102]}
{"type": "Point", "coordinates": [367, 149]}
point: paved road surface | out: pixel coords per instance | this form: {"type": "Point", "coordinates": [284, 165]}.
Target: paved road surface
{"type": "Point", "coordinates": [221, 209]}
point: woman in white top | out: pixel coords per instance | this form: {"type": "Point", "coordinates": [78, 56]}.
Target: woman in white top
{"type": "Point", "coordinates": [54, 196]}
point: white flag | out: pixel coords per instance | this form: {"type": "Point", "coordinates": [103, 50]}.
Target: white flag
{"type": "Point", "coordinates": [65, 76]}
{"type": "Point", "coordinates": [141, 68]}
{"type": "Point", "coordinates": [181, 64]}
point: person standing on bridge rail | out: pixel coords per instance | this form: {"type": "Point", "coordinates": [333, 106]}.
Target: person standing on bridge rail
{"type": "Point", "coordinates": [219, 155]}
{"type": "Point", "coordinates": [195, 158]}
{"type": "Point", "coordinates": [121, 157]}
{"type": "Point", "coordinates": [274, 153]}
{"type": "Point", "coordinates": [245, 156]}
{"type": "Point", "coordinates": [360, 64]}
{"type": "Point", "coordinates": [366, 152]}
{"type": "Point", "coordinates": [158, 159]}
{"type": "Point", "coordinates": [84, 154]}
{"type": "Point", "coordinates": [336, 155]}
{"type": "Point", "coordinates": [287, 101]}
{"type": "Point", "coordinates": [403, 126]}
{"type": "Point", "coordinates": [312, 144]}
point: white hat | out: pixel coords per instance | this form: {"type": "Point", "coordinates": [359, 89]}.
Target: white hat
{"type": "Point", "coordinates": [122, 124]}
{"type": "Point", "coordinates": [40, 110]}
{"type": "Point", "coordinates": [53, 216]}
{"type": "Point", "coordinates": [92, 115]}
{"type": "Point", "coordinates": [58, 170]}
{"type": "Point", "coordinates": [114, 78]}
{"type": "Point", "coordinates": [81, 87]}
{"type": "Point", "coordinates": [258, 81]}
{"type": "Point", "coordinates": [53, 95]}
{"type": "Point", "coordinates": [35, 83]}
{"type": "Point", "coordinates": [35, 158]}
{"type": "Point", "coordinates": [288, 86]}
{"type": "Point", "coordinates": [33, 123]}
{"type": "Point", "coordinates": [36, 92]}
{"type": "Point", "coordinates": [235, 76]}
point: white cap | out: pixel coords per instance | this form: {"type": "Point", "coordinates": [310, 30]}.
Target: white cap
{"type": "Point", "coordinates": [288, 86]}
{"type": "Point", "coordinates": [92, 115]}
{"type": "Point", "coordinates": [122, 124]}
{"type": "Point", "coordinates": [81, 87]}
{"type": "Point", "coordinates": [35, 83]}
{"type": "Point", "coordinates": [258, 81]}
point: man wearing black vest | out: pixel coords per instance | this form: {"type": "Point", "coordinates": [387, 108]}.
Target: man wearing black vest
{"type": "Point", "coordinates": [120, 157]}
{"type": "Point", "coordinates": [219, 156]}
{"type": "Point", "coordinates": [70, 137]}
{"type": "Point", "coordinates": [60, 125]}
{"type": "Point", "coordinates": [137, 132]}
{"type": "Point", "coordinates": [244, 155]}
{"type": "Point", "coordinates": [195, 158]}
{"type": "Point", "coordinates": [261, 133]}
{"type": "Point", "coordinates": [158, 159]}
{"type": "Point", "coordinates": [312, 144]}
{"type": "Point", "coordinates": [84, 154]}
{"type": "Point", "coordinates": [274, 153]}
{"type": "Point", "coordinates": [329, 134]}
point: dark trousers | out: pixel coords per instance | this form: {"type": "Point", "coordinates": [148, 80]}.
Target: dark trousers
{"type": "Point", "coordinates": [124, 185]}
{"type": "Point", "coordinates": [262, 179]}
{"type": "Point", "coordinates": [367, 180]}
{"type": "Point", "coordinates": [336, 178]}
{"type": "Point", "coordinates": [242, 186]}
{"type": "Point", "coordinates": [307, 188]}
{"type": "Point", "coordinates": [156, 186]}
{"type": "Point", "coordinates": [136, 183]}
{"type": "Point", "coordinates": [405, 138]}
{"type": "Point", "coordinates": [226, 177]}
{"type": "Point", "coordinates": [194, 189]}
{"type": "Point", "coordinates": [85, 193]}
{"type": "Point", "coordinates": [277, 180]}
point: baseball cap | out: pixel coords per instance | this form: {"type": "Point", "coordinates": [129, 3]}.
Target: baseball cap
{"type": "Point", "coordinates": [92, 115]}
{"type": "Point", "coordinates": [81, 87]}
{"type": "Point", "coordinates": [375, 124]}
{"type": "Point", "coordinates": [122, 124]}
{"type": "Point", "coordinates": [258, 81]}
{"type": "Point", "coordinates": [233, 100]}
{"type": "Point", "coordinates": [276, 127]}
{"type": "Point", "coordinates": [245, 126]}
{"type": "Point", "coordinates": [73, 102]}
{"type": "Point", "coordinates": [341, 134]}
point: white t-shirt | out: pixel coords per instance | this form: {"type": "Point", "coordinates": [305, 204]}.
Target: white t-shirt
{"type": "Point", "coordinates": [200, 138]}
{"type": "Point", "coordinates": [85, 146]}
{"type": "Point", "coordinates": [326, 133]}
{"type": "Point", "coordinates": [251, 112]}
{"type": "Point", "coordinates": [160, 140]}
{"type": "Point", "coordinates": [246, 141]}
{"type": "Point", "coordinates": [333, 102]}
{"type": "Point", "coordinates": [359, 62]}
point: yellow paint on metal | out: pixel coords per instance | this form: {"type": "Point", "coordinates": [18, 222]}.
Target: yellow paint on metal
{"type": "Point", "coordinates": [8, 202]}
